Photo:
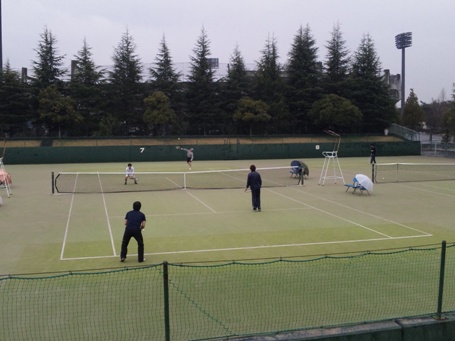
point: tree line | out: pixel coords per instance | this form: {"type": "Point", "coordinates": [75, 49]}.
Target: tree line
{"type": "Point", "coordinates": [345, 93]}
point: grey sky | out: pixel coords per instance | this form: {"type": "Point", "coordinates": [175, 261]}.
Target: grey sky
{"type": "Point", "coordinates": [246, 23]}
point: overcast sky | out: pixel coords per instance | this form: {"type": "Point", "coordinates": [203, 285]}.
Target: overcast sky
{"type": "Point", "coordinates": [247, 23]}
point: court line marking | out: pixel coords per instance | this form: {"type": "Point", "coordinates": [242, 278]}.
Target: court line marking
{"type": "Point", "coordinates": [65, 234]}
{"type": "Point", "coordinates": [249, 247]}
{"type": "Point", "coordinates": [203, 203]}
{"type": "Point", "coordinates": [423, 234]}
{"type": "Point", "coordinates": [432, 192]}
{"type": "Point", "coordinates": [426, 234]}
{"type": "Point", "coordinates": [331, 214]}
{"type": "Point", "coordinates": [107, 216]}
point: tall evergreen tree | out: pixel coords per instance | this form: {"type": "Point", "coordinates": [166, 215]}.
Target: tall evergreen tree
{"type": "Point", "coordinates": [164, 76]}
{"type": "Point", "coordinates": [269, 87]}
{"type": "Point", "coordinates": [166, 79]}
{"type": "Point", "coordinates": [48, 72]}
{"type": "Point", "coordinates": [236, 85]}
{"type": "Point", "coordinates": [86, 90]}
{"type": "Point", "coordinates": [303, 76]}
{"type": "Point", "coordinates": [125, 87]}
{"type": "Point", "coordinates": [48, 68]}
{"type": "Point", "coordinates": [413, 116]}
{"type": "Point", "coordinates": [368, 90]}
{"type": "Point", "coordinates": [201, 89]}
{"type": "Point", "coordinates": [15, 104]}
{"type": "Point", "coordinates": [336, 66]}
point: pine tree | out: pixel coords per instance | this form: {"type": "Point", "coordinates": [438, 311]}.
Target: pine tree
{"type": "Point", "coordinates": [303, 76]}
{"type": "Point", "coordinates": [165, 79]}
{"type": "Point", "coordinates": [336, 66]}
{"type": "Point", "coordinates": [15, 103]}
{"type": "Point", "coordinates": [86, 91]}
{"type": "Point", "coordinates": [47, 69]}
{"type": "Point", "coordinates": [368, 90]}
{"type": "Point", "coordinates": [125, 87]}
{"type": "Point", "coordinates": [237, 85]}
{"type": "Point", "coordinates": [413, 115]}
{"type": "Point", "coordinates": [201, 88]}
{"type": "Point", "coordinates": [164, 76]}
{"type": "Point", "coordinates": [269, 87]}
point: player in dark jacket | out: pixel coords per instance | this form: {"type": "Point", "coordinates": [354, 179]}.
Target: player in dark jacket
{"type": "Point", "coordinates": [254, 182]}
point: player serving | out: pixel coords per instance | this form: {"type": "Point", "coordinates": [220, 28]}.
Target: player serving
{"type": "Point", "coordinates": [130, 174]}
{"type": "Point", "coordinates": [189, 155]}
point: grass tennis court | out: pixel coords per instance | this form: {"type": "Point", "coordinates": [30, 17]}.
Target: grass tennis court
{"type": "Point", "coordinates": [42, 232]}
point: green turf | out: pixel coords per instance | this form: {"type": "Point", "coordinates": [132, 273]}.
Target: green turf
{"type": "Point", "coordinates": [42, 232]}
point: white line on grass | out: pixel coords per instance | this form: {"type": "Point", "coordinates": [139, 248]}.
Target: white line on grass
{"type": "Point", "coordinates": [203, 203]}
{"type": "Point", "coordinates": [428, 191]}
{"type": "Point", "coordinates": [331, 214]}
{"type": "Point", "coordinates": [251, 247]}
{"type": "Point", "coordinates": [67, 228]}
{"type": "Point", "coordinates": [107, 216]}
{"type": "Point", "coordinates": [68, 220]}
{"type": "Point", "coordinates": [173, 182]}
{"type": "Point", "coordinates": [425, 234]}
{"type": "Point", "coordinates": [220, 212]}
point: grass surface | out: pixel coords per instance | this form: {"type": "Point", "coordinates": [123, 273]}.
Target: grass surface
{"type": "Point", "coordinates": [45, 233]}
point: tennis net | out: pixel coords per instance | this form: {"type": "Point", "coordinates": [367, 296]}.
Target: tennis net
{"type": "Point", "coordinates": [408, 172]}
{"type": "Point", "coordinates": [113, 182]}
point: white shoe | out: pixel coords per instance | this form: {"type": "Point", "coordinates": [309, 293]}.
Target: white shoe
{"type": "Point", "coordinates": [190, 168]}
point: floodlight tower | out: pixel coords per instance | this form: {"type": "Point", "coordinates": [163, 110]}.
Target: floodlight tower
{"type": "Point", "coordinates": [402, 41]}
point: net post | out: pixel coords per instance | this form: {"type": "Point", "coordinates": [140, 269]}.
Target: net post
{"type": "Point", "coordinates": [52, 183]}
{"type": "Point", "coordinates": [167, 328]}
{"type": "Point", "coordinates": [372, 173]}
{"type": "Point", "coordinates": [441, 279]}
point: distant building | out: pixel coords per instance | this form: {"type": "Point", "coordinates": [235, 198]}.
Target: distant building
{"type": "Point", "coordinates": [394, 82]}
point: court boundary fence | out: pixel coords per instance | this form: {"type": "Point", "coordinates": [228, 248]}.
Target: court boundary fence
{"type": "Point", "coordinates": [224, 301]}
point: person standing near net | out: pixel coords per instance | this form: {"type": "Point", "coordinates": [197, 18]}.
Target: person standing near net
{"type": "Point", "coordinates": [372, 153]}
{"type": "Point", "coordinates": [134, 224]}
{"type": "Point", "coordinates": [254, 182]}
{"type": "Point", "coordinates": [129, 174]}
{"type": "Point", "coordinates": [189, 156]}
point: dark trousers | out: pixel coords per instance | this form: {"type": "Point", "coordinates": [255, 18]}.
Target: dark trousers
{"type": "Point", "coordinates": [140, 243]}
{"type": "Point", "coordinates": [256, 198]}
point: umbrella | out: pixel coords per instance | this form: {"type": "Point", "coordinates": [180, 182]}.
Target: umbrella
{"type": "Point", "coordinates": [364, 181]}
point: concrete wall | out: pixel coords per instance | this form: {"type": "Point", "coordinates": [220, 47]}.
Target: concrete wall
{"type": "Point", "coordinates": [407, 329]}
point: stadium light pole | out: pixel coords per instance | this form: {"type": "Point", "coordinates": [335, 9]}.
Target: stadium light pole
{"type": "Point", "coordinates": [402, 41]}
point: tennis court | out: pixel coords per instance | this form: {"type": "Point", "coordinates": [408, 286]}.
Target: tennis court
{"type": "Point", "coordinates": [45, 232]}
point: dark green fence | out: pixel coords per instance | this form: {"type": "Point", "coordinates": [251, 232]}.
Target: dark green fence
{"type": "Point", "coordinates": [228, 151]}
{"type": "Point", "coordinates": [203, 302]}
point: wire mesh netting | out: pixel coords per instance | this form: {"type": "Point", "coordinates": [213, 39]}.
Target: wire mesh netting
{"type": "Point", "coordinates": [111, 182]}
{"type": "Point", "coordinates": [409, 172]}
{"type": "Point", "coordinates": [233, 299]}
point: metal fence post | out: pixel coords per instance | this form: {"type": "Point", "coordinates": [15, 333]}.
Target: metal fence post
{"type": "Point", "coordinates": [167, 329]}
{"type": "Point", "coordinates": [441, 279]}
